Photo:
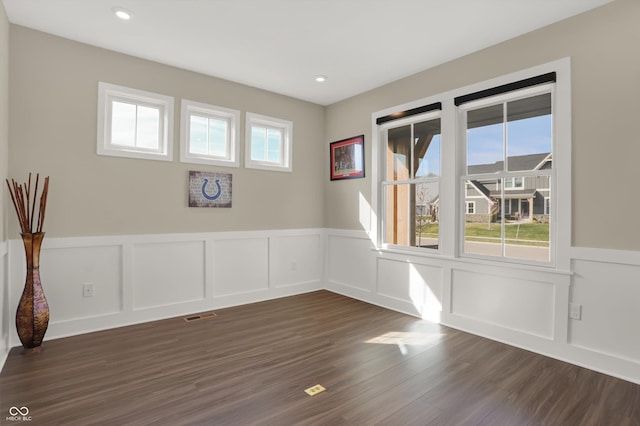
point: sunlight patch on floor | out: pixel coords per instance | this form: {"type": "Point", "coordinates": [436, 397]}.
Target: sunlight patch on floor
{"type": "Point", "coordinates": [406, 338]}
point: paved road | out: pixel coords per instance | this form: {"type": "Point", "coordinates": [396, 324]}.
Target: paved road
{"type": "Point", "coordinates": [540, 254]}
{"type": "Point", "coordinates": [515, 251]}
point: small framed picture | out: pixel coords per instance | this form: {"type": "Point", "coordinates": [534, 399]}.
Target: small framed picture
{"type": "Point", "coordinates": [207, 189]}
{"type": "Point", "coordinates": [347, 158]}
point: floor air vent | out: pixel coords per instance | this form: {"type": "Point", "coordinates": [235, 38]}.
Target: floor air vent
{"type": "Point", "coordinates": [198, 317]}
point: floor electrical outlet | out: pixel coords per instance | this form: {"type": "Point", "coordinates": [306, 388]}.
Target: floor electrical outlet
{"type": "Point", "coordinates": [314, 390]}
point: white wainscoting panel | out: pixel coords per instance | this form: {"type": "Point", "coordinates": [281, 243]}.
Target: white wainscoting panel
{"type": "Point", "coordinates": [518, 304]}
{"type": "Point", "coordinates": [139, 278]}
{"type": "Point", "coordinates": [418, 286]}
{"type": "Point", "coordinates": [168, 273]}
{"type": "Point", "coordinates": [240, 266]}
{"type": "Point", "coordinates": [609, 294]}
{"type": "Point", "coordinates": [352, 263]}
{"type": "Point", "coordinates": [295, 259]}
{"type": "Point", "coordinates": [64, 270]}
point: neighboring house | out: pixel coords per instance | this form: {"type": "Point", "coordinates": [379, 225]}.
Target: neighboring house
{"type": "Point", "coordinates": [526, 198]}
{"type": "Point", "coordinates": [428, 208]}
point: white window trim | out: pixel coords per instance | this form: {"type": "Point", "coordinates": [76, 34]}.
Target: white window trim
{"type": "Point", "coordinates": [109, 92]}
{"type": "Point", "coordinates": [452, 157]}
{"type": "Point", "coordinates": [285, 164]}
{"type": "Point", "coordinates": [232, 116]}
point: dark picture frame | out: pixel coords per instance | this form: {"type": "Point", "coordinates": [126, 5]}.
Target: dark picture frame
{"type": "Point", "coordinates": [347, 158]}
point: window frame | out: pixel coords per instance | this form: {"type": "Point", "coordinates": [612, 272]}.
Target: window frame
{"type": "Point", "coordinates": [384, 184]}
{"type": "Point", "coordinates": [109, 93]}
{"type": "Point", "coordinates": [503, 176]}
{"type": "Point", "coordinates": [286, 143]}
{"type": "Point", "coordinates": [452, 193]}
{"type": "Point", "coordinates": [231, 116]}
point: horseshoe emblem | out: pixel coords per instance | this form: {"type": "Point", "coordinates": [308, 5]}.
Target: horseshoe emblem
{"type": "Point", "coordinates": [214, 196]}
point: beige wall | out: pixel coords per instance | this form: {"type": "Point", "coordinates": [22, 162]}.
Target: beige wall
{"type": "Point", "coordinates": [4, 117]}
{"type": "Point", "coordinates": [54, 87]}
{"type": "Point", "coordinates": [53, 116]}
{"type": "Point", "coordinates": [602, 45]}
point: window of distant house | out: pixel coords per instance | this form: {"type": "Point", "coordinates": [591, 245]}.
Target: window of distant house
{"type": "Point", "coordinates": [471, 207]}
{"type": "Point", "coordinates": [268, 143]}
{"type": "Point", "coordinates": [209, 134]}
{"type": "Point", "coordinates": [508, 146]}
{"type": "Point", "coordinates": [411, 182]}
{"type": "Point", "coordinates": [134, 123]}
{"type": "Point", "coordinates": [513, 183]}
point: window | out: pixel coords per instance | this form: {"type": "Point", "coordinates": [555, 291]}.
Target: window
{"type": "Point", "coordinates": [133, 123]}
{"type": "Point", "coordinates": [513, 183]}
{"type": "Point", "coordinates": [508, 144]}
{"type": "Point", "coordinates": [411, 186]}
{"type": "Point", "coordinates": [471, 207]}
{"type": "Point", "coordinates": [499, 195]}
{"type": "Point", "coordinates": [268, 143]}
{"type": "Point", "coordinates": [209, 134]}
{"type": "Point", "coordinates": [547, 206]}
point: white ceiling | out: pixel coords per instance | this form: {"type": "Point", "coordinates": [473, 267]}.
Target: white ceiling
{"type": "Point", "coordinates": [280, 45]}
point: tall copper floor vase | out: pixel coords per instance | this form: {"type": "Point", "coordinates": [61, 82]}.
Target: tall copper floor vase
{"type": "Point", "coordinates": [32, 316]}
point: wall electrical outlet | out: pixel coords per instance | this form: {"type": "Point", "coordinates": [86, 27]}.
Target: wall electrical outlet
{"type": "Point", "coordinates": [575, 311]}
{"type": "Point", "coordinates": [87, 290]}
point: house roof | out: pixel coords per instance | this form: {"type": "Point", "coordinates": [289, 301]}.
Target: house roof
{"type": "Point", "coordinates": [516, 163]}
{"type": "Point", "coordinates": [482, 189]}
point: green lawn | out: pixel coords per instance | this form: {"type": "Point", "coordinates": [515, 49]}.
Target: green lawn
{"type": "Point", "coordinates": [534, 234]}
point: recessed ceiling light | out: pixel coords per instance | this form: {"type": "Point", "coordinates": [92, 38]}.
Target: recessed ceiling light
{"type": "Point", "coordinates": [321, 78]}
{"type": "Point", "coordinates": [121, 13]}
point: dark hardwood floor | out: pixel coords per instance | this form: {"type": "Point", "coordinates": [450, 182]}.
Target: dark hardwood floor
{"type": "Point", "coordinates": [251, 365]}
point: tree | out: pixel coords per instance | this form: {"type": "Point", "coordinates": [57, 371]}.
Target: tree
{"type": "Point", "coordinates": [422, 197]}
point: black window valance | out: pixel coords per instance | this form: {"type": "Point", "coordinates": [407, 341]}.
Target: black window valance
{"type": "Point", "coordinates": [409, 112]}
{"type": "Point", "coordinates": [510, 87]}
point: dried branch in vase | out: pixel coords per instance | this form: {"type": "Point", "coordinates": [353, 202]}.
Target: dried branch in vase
{"type": "Point", "coordinates": [25, 202]}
